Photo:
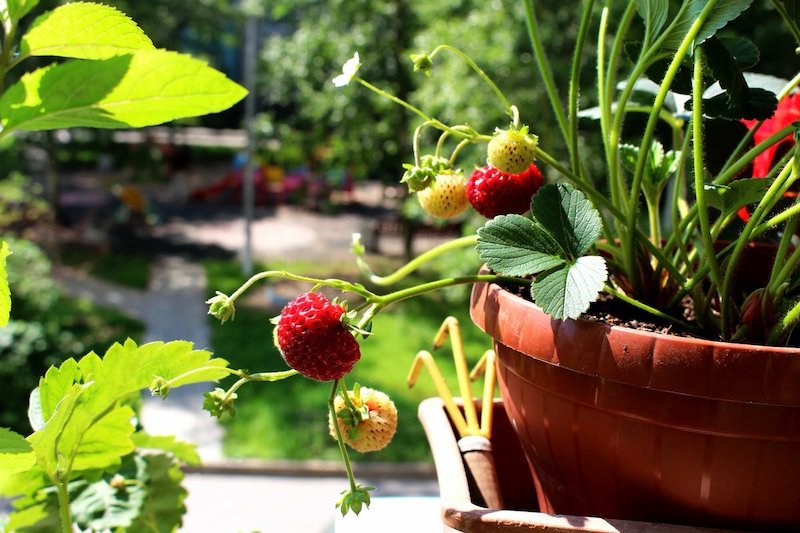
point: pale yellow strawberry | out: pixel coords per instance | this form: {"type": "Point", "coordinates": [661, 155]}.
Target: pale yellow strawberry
{"type": "Point", "coordinates": [446, 197]}
{"type": "Point", "coordinates": [512, 151]}
{"type": "Point", "coordinates": [375, 430]}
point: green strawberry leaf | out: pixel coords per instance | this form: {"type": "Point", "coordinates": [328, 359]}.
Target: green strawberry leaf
{"type": "Point", "coordinates": [16, 454]}
{"type": "Point", "coordinates": [654, 13]}
{"type": "Point", "coordinates": [163, 507]}
{"type": "Point", "coordinates": [101, 507]}
{"type": "Point", "coordinates": [753, 104]}
{"type": "Point", "coordinates": [85, 31]}
{"type": "Point", "coordinates": [183, 451]}
{"type": "Point", "coordinates": [34, 516]}
{"type": "Point", "coordinates": [52, 387]}
{"type": "Point", "coordinates": [515, 246]}
{"type": "Point", "coordinates": [743, 50]}
{"type": "Point", "coordinates": [5, 293]}
{"type": "Point", "coordinates": [46, 441]}
{"type": "Point", "coordinates": [725, 69]}
{"type": "Point", "coordinates": [133, 90]}
{"type": "Point", "coordinates": [105, 442]}
{"type": "Point", "coordinates": [723, 12]}
{"type": "Point", "coordinates": [568, 217]}
{"type": "Point", "coordinates": [566, 292]}
{"type": "Point", "coordinates": [737, 194]}
{"type": "Point", "coordinates": [35, 414]}
{"type": "Point", "coordinates": [105, 505]}
{"type": "Point", "coordinates": [87, 426]}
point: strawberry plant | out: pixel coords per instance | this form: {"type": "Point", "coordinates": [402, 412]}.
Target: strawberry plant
{"type": "Point", "coordinates": [659, 232]}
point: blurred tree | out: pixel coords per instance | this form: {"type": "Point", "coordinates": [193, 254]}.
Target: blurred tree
{"type": "Point", "coordinates": [340, 128]}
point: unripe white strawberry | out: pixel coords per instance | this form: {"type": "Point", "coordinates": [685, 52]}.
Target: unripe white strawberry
{"type": "Point", "coordinates": [371, 426]}
{"type": "Point", "coordinates": [446, 197]}
{"type": "Point", "coordinates": [512, 151]}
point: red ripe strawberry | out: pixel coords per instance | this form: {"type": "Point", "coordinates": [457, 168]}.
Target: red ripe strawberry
{"type": "Point", "coordinates": [374, 423]}
{"type": "Point", "coordinates": [492, 192]}
{"type": "Point", "coordinates": [445, 197]}
{"type": "Point", "coordinates": [512, 150]}
{"type": "Point", "coordinates": [313, 340]}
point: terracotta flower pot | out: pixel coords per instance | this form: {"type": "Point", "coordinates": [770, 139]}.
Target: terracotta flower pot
{"type": "Point", "coordinates": [632, 425]}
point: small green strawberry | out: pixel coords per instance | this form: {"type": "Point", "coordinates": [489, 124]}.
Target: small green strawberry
{"type": "Point", "coordinates": [373, 423]}
{"type": "Point", "coordinates": [446, 197]}
{"type": "Point", "coordinates": [512, 151]}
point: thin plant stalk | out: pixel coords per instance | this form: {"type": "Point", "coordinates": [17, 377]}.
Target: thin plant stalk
{"type": "Point", "coordinates": [644, 149]}
{"type": "Point", "coordinates": [773, 194]}
{"type": "Point", "coordinates": [480, 72]}
{"type": "Point", "coordinates": [609, 92]}
{"type": "Point", "coordinates": [699, 174]}
{"type": "Point", "coordinates": [544, 69]}
{"type": "Point", "coordinates": [575, 75]}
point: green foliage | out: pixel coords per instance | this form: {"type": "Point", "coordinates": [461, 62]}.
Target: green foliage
{"type": "Point", "coordinates": [730, 198]}
{"type": "Point", "coordinates": [5, 294]}
{"type": "Point", "coordinates": [84, 440]}
{"type": "Point", "coordinates": [141, 89]}
{"type": "Point", "coordinates": [339, 129]}
{"type": "Point", "coordinates": [83, 425]}
{"type": "Point", "coordinates": [16, 454]}
{"type": "Point", "coordinates": [46, 328]}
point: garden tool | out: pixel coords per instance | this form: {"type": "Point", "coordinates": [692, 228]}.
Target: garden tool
{"type": "Point", "coordinates": [474, 437]}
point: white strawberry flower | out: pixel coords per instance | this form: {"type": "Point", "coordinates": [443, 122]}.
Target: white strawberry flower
{"type": "Point", "coordinates": [349, 70]}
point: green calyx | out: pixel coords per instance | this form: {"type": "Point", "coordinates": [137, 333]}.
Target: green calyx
{"type": "Point", "coordinates": [422, 63]}
{"type": "Point", "coordinates": [221, 306]}
{"type": "Point", "coordinates": [422, 175]}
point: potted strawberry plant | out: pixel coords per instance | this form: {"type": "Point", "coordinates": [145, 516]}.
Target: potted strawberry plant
{"type": "Point", "coordinates": [643, 318]}
{"type": "Point", "coordinates": [644, 332]}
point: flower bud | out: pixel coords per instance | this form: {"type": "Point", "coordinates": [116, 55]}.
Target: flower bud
{"type": "Point", "coordinates": [221, 307]}
{"type": "Point", "coordinates": [160, 387]}
{"type": "Point", "coordinates": [422, 62]}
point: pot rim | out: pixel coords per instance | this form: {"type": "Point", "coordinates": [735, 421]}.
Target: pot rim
{"type": "Point", "coordinates": [494, 288]}
{"type": "Point", "coordinates": [670, 363]}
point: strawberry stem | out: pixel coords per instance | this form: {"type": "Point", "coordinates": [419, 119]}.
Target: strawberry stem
{"type": "Point", "coordinates": [480, 73]}
{"type": "Point", "coordinates": [347, 466]}
{"type": "Point", "coordinates": [334, 283]}
{"type": "Point", "coordinates": [411, 292]}
{"type": "Point", "coordinates": [414, 264]}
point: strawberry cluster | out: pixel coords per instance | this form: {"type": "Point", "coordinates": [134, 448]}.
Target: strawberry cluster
{"type": "Point", "coordinates": [504, 186]}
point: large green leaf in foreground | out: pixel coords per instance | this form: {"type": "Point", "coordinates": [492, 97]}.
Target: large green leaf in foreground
{"type": "Point", "coordinates": [87, 428]}
{"type": "Point", "coordinates": [131, 90]}
{"type": "Point", "coordinates": [85, 31]}
{"type": "Point", "coordinates": [16, 454]}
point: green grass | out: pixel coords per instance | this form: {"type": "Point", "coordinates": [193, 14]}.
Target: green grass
{"type": "Point", "coordinates": [288, 419]}
{"type": "Point", "coordinates": [129, 270]}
